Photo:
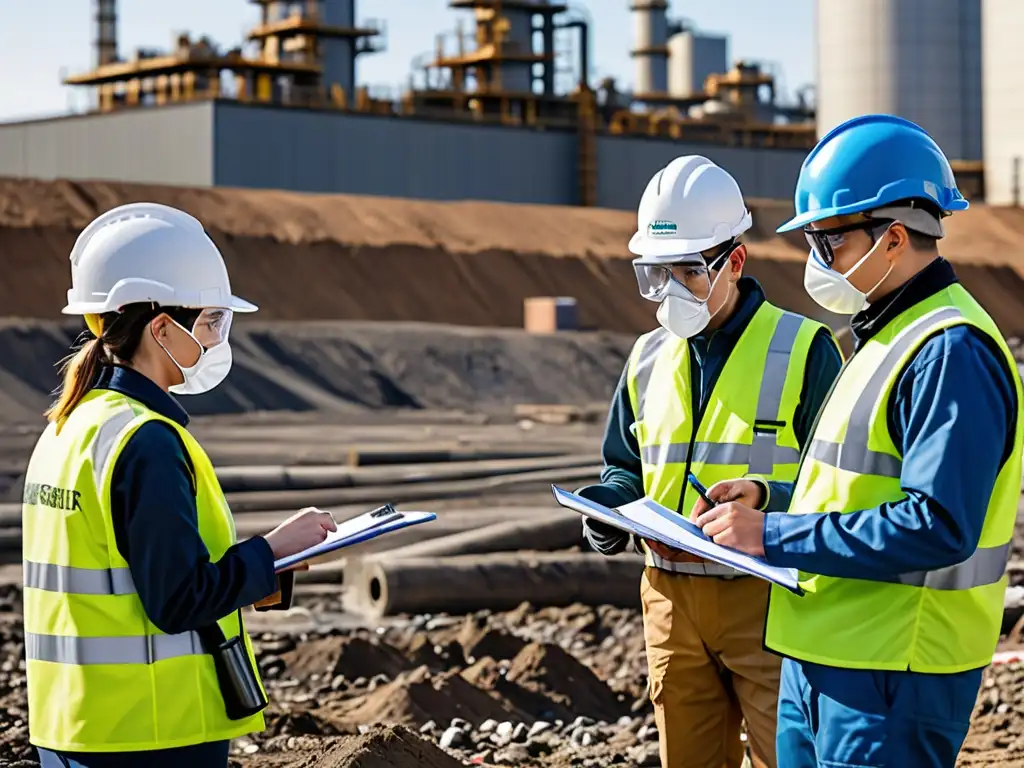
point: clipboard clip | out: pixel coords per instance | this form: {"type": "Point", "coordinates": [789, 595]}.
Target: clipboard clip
{"type": "Point", "coordinates": [383, 511]}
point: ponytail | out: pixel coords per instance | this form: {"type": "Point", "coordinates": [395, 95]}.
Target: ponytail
{"type": "Point", "coordinates": [80, 370]}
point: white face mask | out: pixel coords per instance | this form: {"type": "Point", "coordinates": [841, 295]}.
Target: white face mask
{"type": "Point", "coordinates": [210, 369]}
{"type": "Point", "coordinates": [833, 291]}
{"type": "Point", "coordinates": [683, 315]}
{"type": "Point", "coordinates": [215, 357]}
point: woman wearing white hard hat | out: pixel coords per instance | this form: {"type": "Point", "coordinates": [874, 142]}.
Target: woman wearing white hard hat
{"type": "Point", "coordinates": [134, 579]}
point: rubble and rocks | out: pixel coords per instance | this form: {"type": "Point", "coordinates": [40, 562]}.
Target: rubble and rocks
{"type": "Point", "coordinates": [550, 687]}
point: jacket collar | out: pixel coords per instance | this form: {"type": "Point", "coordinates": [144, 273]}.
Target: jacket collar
{"type": "Point", "coordinates": [751, 298]}
{"type": "Point", "coordinates": [131, 383]}
{"type": "Point", "coordinates": [935, 277]}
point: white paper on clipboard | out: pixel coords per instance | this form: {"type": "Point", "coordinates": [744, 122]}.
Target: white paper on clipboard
{"type": "Point", "coordinates": [650, 520]}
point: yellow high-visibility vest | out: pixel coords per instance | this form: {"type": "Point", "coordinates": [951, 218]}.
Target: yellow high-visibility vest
{"type": "Point", "coordinates": [746, 426]}
{"type": "Point", "coordinates": [941, 621]}
{"type": "Point", "coordinates": [101, 676]}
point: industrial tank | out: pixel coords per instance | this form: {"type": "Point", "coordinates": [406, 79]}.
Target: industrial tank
{"type": "Point", "coordinates": [919, 59]}
{"type": "Point", "coordinates": [692, 56]}
{"type": "Point", "coordinates": [1003, 87]}
{"type": "Point", "coordinates": [650, 46]}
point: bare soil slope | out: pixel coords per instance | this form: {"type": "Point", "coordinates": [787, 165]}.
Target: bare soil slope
{"type": "Point", "coordinates": [470, 263]}
{"type": "Point", "coordinates": [332, 366]}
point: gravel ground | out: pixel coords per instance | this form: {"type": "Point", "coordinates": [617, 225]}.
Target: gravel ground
{"type": "Point", "coordinates": [550, 687]}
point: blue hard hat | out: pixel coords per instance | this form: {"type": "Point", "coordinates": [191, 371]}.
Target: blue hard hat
{"type": "Point", "coordinates": [870, 162]}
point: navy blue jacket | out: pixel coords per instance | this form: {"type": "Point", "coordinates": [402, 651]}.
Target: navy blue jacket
{"type": "Point", "coordinates": [622, 479]}
{"type": "Point", "coordinates": [155, 523]}
{"type": "Point", "coordinates": [953, 413]}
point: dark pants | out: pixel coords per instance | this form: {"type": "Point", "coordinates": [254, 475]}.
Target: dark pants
{"type": "Point", "coordinates": [847, 718]}
{"type": "Point", "coordinates": [211, 755]}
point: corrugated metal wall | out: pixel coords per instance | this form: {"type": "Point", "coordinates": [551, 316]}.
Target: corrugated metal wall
{"type": "Point", "coordinates": [235, 145]}
{"type": "Point", "coordinates": [1004, 101]}
{"type": "Point", "coordinates": [624, 166]}
{"type": "Point", "coordinates": [399, 157]}
{"type": "Point", "coordinates": [172, 145]}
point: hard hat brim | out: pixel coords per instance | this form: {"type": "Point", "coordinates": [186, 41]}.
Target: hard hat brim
{"type": "Point", "coordinates": [239, 304]}
{"type": "Point", "coordinates": [236, 304]}
{"type": "Point", "coordinates": [650, 248]}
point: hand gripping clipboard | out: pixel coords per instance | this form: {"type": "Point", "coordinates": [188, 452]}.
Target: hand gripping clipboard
{"type": "Point", "coordinates": [356, 530]}
{"type": "Point", "coordinates": [650, 520]}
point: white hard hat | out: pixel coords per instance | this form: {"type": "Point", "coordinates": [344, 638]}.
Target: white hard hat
{"type": "Point", "coordinates": [689, 206]}
{"type": "Point", "coordinates": [146, 252]}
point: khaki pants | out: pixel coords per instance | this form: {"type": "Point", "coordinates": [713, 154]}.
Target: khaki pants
{"type": "Point", "coordinates": [709, 670]}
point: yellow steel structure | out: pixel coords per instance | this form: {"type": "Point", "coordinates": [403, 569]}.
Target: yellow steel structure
{"type": "Point", "coordinates": [488, 77]}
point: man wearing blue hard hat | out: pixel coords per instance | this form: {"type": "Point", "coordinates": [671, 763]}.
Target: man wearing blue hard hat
{"type": "Point", "coordinates": [903, 509]}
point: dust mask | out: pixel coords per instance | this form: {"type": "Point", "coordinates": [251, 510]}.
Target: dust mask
{"type": "Point", "coordinates": [682, 297]}
{"type": "Point", "coordinates": [210, 333]}
{"type": "Point", "coordinates": [832, 290]}
{"type": "Point", "coordinates": [683, 315]}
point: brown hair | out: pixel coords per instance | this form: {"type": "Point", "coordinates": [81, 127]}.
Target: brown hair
{"type": "Point", "coordinates": [118, 340]}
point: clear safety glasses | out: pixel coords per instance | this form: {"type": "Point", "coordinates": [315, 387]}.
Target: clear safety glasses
{"type": "Point", "coordinates": [655, 279]}
{"type": "Point", "coordinates": [210, 326]}
{"type": "Point", "coordinates": [691, 272]}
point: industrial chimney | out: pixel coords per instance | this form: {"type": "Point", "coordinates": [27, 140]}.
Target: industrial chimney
{"type": "Point", "coordinates": [650, 46]}
{"type": "Point", "coordinates": [106, 32]}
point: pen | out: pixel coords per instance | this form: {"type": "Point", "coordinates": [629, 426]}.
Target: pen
{"type": "Point", "coordinates": [700, 489]}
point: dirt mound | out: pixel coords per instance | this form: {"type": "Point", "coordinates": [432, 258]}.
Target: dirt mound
{"type": "Point", "coordinates": [339, 366]}
{"type": "Point", "coordinates": [468, 263]}
{"type": "Point", "coordinates": [479, 641]}
{"type": "Point", "coordinates": [350, 657]}
{"type": "Point", "coordinates": [420, 696]}
{"type": "Point", "coordinates": [380, 747]}
{"type": "Point", "coordinates": [549, 670]}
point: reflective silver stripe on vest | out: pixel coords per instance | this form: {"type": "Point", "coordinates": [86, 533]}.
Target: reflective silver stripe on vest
{"type": "Point", "coordinates": [853, 454]}
{"type": "Point", "coordinates": [713, 453]}
{"type": "Point", "coordinates": [146, 649]}
{"type": "Point", "coordinates": [103, 443]}
{"type": "Point", "coordinates": [78, 581]}
{"type": "Point", "coordinates": [985, 566]}
{"type": "Point", "coordinates": [763, 454]}
{"type": "Point", "coordinates": [644, 367]}
{"type": "Point", "coordinates": [859, 460]}
{"type": "Point", "coordinates": [695, 569]}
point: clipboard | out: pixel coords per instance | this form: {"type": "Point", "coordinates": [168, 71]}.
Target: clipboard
{"type": "Point", "coordinates": [650, 520]}
{"type": "Point", "coordinates": [356, 530]}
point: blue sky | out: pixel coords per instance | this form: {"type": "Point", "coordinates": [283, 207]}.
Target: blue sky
{"type": "Point", "coordinates": [41, 38]}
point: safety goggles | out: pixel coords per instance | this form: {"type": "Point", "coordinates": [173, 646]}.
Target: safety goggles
{"type": "Point", "coordinates": [209, 326]}
{"type": "Point", "coordinates": [691, 272]}
{"type": "Point", "coordinates": [825, 242]}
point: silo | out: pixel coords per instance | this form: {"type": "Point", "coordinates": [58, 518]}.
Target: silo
{"type": "Point", "coordinates": [650, 46]}
{"type": "Point", "coordinates": [1003, 89]}
{"type": "Point", "coordinates": [693, 56]}
{"type": "Point", "coordinates": [919, 59]}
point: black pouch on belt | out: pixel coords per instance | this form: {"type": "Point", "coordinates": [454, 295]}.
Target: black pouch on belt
{"type": "Point", "coordinates": [237, 678]}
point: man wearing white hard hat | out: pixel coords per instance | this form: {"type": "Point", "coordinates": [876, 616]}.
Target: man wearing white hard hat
{"type": "Point", "coordinates": [728, 387]}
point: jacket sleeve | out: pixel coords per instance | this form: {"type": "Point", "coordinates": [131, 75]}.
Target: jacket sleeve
{"type": "Point", "coordinates": [953, 412]}
{"type": "Point", "coordinates": [156, 528]}
{"type": "Point", "coordinates": [824, 360]}
{"type": "Point", "coordinates": [621, 479]}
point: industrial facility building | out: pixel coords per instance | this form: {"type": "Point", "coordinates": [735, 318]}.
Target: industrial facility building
{"type": "Point", "coordinates": [484, 116]}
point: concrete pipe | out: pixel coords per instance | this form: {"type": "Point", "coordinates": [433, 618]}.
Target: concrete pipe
{"type": "Point", "coordinates": [562, 530]}
{"type": "Point", "coordinates": [296, 478]}
{"type": "Point", "coordinates": [259, 501]}
{"type": "Point", "coordinates": [497, 582]}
